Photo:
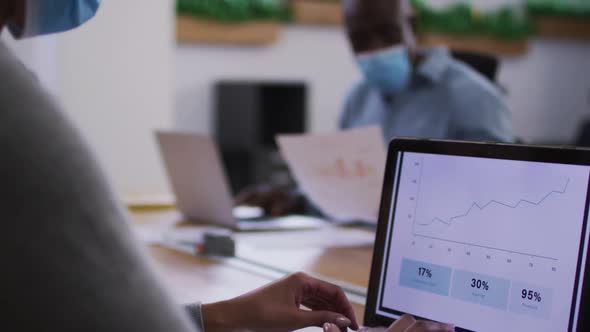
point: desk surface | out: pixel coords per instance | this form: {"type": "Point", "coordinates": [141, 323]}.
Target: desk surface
{"type": "Point", "coordinates": [191, 278]}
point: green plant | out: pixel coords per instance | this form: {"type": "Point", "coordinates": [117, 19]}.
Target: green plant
{"type": "Point", "coordinates": [570, 8]}
{"type": "Point", "coordinates": [235, 10]}
{"type": "Point", "coordinates": [460, 18]}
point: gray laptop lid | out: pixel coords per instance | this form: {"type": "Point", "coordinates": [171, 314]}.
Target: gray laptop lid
{"type": "Point", "coordinates": [197, 177]}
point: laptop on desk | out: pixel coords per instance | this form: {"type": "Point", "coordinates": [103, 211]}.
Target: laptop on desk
{"type": "Point", "coordinates": [490, 237]}
{"type": "Point", "coordinates": [201, 188]}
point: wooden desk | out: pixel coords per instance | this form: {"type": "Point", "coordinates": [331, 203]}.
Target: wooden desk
{"type": "Point", "coordinates": [191, 278]}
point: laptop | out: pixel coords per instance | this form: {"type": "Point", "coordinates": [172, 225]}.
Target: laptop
{"type": "Point", "coordinates": [199, 183]}
{"type": "Point", "coordinates": [490, 237]}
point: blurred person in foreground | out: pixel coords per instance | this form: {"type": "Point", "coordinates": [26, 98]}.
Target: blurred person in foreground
{"type": "Point", "coordinates": [70, 260]}
{"type": "Point", "coordinates": [406, 90]}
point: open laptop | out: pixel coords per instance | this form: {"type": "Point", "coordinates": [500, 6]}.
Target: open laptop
{"type": "Point", "coordinates": [490, 237]}
{"type": "Point", "coordinates": [201, 188]}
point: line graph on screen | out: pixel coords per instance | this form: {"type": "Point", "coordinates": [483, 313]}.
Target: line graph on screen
{"type": "Point", "coordinates": [506, 219]}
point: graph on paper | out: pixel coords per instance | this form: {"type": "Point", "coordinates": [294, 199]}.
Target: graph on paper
{"type": "Point", "coordinates": [346, 169]}
{"type": "Point", "coordinates": [491, 204]}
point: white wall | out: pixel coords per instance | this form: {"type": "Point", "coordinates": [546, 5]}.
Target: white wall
{"type": "Point", "coordinates": [318, 56]}
{"type": "Point", "coordinates": [115, 77]}
{"type": "Point", "coordinates": [548, 89]}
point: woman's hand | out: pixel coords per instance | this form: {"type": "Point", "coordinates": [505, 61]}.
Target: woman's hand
{"type": "Point", "coordinates": [406, 323]}
{"type": "Point", "coordinates": [278, 307]}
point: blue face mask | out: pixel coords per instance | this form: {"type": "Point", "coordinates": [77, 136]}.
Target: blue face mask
{"type": "Point", "coordinates": [51, 16]}
{"type": "Point", "coordinates": [389, 70]}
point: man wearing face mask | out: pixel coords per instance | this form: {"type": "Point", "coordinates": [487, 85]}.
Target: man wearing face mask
{"type": "Point", "coordinates": [407, 91]}
{"type": "Point", "coordinates": [69, 260]}
{"type": "Point", "coordinates": [412, 92]}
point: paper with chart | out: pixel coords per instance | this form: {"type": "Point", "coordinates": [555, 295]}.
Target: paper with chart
{"type": "Point", "coordinates": [340, 173]}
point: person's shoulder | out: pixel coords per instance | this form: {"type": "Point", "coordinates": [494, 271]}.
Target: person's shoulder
{"type": "Point", "coordinates": [21, 88]}
{"type": "Point", "coordinates": [359, 89]}
{"type": "Point", "coordinates": [358, 93]}
{"type": "Point", "coordinates": [354, 102]}
{"type": "Point", "coordinates": [464, 81]}
{"type": "Point", "coordinates": [11, 68]}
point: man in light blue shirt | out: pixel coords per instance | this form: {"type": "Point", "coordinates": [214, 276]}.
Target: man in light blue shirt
{"type": "Point", "coordinates": [406, 91]}
{"type": "Point", "coordinates": [411, 92]}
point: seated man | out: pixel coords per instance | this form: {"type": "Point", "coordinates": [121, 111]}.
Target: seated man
{"type": "Point", "coordinates": [407, 91]}
{"type": "Point", "coordinates": [412, 92]}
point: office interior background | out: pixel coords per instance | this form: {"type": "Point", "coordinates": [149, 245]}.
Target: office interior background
{"type": "Point", "coordinates": [132, 70]}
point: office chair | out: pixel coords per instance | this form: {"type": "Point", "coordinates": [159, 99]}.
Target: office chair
{"type": "Point", "coordinates": [583, 138]}
{"type": "Point", "coordinates": [487, 65]}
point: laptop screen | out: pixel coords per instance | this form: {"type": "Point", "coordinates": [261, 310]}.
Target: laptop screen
{"type": "Point", "coordinates": [487, 244]}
